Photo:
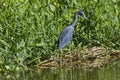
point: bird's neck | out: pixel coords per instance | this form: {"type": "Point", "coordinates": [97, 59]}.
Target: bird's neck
{"type": "Point", "coordinates": [75, 19]}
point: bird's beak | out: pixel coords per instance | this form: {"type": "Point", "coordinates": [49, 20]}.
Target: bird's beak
{"type": "Point", "coordinates": [85, 17]}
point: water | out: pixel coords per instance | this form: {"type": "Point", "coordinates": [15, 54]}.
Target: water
{"type": "Point", "coordinates": [106, 73]}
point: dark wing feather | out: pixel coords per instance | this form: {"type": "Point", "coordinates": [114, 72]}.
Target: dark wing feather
{"type": "Point", "coordinates": [65, 37]}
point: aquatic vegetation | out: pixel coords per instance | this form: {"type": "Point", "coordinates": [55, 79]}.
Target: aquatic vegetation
{"type": "Point", "coordinates": [29, 29]}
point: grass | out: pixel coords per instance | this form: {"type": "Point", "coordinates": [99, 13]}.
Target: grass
{"type": "Point", "coordinates": [29, 29]}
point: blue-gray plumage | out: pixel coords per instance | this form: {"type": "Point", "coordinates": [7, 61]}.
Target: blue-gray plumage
{"type": "Point", "coordinates": [67, 33]}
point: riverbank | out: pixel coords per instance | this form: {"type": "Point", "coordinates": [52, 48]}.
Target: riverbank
{"type": "Point", "coordinates": [94, 57]}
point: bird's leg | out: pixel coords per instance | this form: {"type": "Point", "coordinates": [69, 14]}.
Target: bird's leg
{"type": "Point", "coordinates": [70, 52]}
{"type": "Point", "coordinates": [59, 57]}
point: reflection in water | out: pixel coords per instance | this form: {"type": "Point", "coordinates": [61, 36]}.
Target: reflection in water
{"type": "Point", "coordinates": [107, 73]}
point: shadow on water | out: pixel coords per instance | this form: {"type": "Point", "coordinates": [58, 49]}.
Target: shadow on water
{"type": "Point", "coordinates": [106, 73]}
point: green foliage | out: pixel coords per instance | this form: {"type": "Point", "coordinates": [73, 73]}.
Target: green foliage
{"type": "Point", "coordinates": [29, 29]}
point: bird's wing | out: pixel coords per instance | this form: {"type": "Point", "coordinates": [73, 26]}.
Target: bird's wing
{"type": "Point", "coordinates": [65, 37]}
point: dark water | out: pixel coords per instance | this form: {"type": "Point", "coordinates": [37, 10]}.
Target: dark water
{"type": "Point", "coordinates": [106, 73]}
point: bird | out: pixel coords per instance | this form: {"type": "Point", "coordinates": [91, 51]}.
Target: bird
{"type": "Point", "coordinates": [67, 34]}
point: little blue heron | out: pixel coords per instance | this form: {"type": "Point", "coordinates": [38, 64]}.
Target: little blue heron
{"type": "Point", "coordinates": [67, 33]}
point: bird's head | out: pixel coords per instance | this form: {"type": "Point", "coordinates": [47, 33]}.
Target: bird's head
{"type": "Point", "coordinates": [82, 14]}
